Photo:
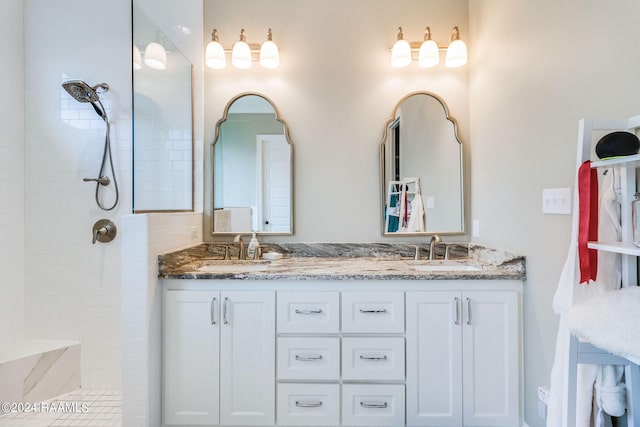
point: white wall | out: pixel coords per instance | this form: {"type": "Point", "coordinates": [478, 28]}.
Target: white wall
{"type": "Point", "coordinates": [12, 172]}
{"type": "Point", "coordinates": [536, 69]}
{"type": "Point", "coordinates": [72, 288]}
{"type": "Point", "coordinates": [336, 90]}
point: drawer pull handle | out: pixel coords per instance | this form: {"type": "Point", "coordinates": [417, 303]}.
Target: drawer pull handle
{"type": "Point", "coordinates": [318, 311]}
{"type": "Point", "coordinates": [376, 405]}
{"type": "Point", "coordinates": [374, 311]}
{"type": "Point", "coordinates": [309, 404]}
{"type": "Point", "coordinates": [308, 358]}
{"type": "Point", "coordinates": [363, 357]}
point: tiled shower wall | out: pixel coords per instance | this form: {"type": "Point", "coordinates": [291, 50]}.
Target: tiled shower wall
{"type": "Point", "coordinates": [11, 172]}
{"type": "Point", "coordinates": [72, 287]}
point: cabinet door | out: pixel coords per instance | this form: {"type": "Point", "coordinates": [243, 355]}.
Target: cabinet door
{"type": "Point", "coordinates": [191, 351]}
{"type": "Point", "coordinates": [490, 359]}
{"type": "Point", "coordinates": [434, 359]}
{"type": "Point", "coordinates": [247, 358]}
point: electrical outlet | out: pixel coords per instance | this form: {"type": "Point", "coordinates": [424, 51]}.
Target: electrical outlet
{"type": "Point", "coordinates": [556, 201]}
{"type": "Point", "coordinates": [543, 394]}
{"type": "Point", "coordinates": [543, 401]}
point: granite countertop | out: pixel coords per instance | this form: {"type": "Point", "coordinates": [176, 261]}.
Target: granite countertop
{"type": "Point", "coordinates": [344, 261]}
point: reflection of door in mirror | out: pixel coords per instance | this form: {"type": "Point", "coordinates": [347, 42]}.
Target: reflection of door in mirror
{"type": "Point", "coordinates": [421, 141]}
{"type": "Point", "coordinates": [274, 183]}
{"type": "Point", "coordinates": [251, 170]}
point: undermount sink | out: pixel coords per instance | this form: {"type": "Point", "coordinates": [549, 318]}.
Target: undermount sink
{"type": "Point", "coordinates": [443, 266]}
{"type": "Point", "coordinates": [233, 266]}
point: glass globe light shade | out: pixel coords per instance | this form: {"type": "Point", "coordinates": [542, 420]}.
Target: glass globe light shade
{"type": "Point", "coordinates": [214, 56]}
{"type": "Point", "coordinates": [400, 54]}
{"type": "Point", "coordinates": [269, 55]}
{"type": "Point", "coordinates": [241, 55]}
{"type": "Point", "coordinates": [429, 56]}
{"type": "Point", "coordinates": [456, 54]}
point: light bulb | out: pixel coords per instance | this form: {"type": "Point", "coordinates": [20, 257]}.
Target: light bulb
{"type": "Point", "coordinates": [241, 53]}
{"type": "Point", "coordinates": [457, 51]}
{"type": "Point", "coordinates": [214, 56]}
{"type": "Point", "coordinates": [401, 52]}
{"type": "Point", "coordinates": [155, 56]}
{"type": "Point", "coordinates": [269, 54]}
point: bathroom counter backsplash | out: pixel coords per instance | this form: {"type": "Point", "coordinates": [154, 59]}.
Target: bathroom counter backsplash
{"type": "Point", "coordinates": [347, 261]}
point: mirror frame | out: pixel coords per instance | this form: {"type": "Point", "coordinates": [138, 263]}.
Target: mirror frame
{"type": "Point", "coordinates": [287, 137]}
{"type": "Point", "coordinates": [384, 172]}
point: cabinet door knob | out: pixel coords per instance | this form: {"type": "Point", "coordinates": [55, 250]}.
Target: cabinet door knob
{"type": "Point", "coordinates": [456, 314]}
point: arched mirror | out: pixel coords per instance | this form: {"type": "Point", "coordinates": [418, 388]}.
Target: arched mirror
{"type": "Point", "coordinates": [421, 169]}
{"type": "Point", "coordinates": [252, 174]}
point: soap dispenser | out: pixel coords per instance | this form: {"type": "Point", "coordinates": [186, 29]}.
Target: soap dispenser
{"type": "Point", "coordinates": [252, 249]}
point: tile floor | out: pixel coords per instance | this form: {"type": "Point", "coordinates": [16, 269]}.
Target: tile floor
{"type": "Point", "coordinates": [80, 408]}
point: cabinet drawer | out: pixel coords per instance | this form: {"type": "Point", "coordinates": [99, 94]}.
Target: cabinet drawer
{"type": "Point", "coordinates": [373, 405]}
{"type": "Point", "coordinates": [373, 312]}
{"type": "Point", "coordinates": [373, 358]}
{"type": "Point", "coordinates": [308, 358]}
{"type": "Point", "coordinates": [308, 312]}
{"type": "Point", "coordinates": [308, 404]}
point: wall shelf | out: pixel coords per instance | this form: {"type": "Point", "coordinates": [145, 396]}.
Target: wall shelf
{"type": "Point", "coordinates": [625, 248]}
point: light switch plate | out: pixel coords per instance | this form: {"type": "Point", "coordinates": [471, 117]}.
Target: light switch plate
{"type": "Point", "coordinates": [556, 201]}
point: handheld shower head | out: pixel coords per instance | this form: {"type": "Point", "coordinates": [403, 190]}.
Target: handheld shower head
{"type": "Point", "coordinates": [82, 92]}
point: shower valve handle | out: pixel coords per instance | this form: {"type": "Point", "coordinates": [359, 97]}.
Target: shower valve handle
{"type": "Point", "coordinates": [103, 180]}
{"type": "Point", "coordinates": [104, 231]}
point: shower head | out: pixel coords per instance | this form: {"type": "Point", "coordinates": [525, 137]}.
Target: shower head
{"type": "Point", "coordinates": [82, 92]}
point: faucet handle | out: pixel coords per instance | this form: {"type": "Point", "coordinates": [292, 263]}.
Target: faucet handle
{"type": "Point", "coordinates": [416, 256]}
{"type": "Point", "coordinates": [446, 252]}
{"type": "Point", "coordinates": [227, 256]}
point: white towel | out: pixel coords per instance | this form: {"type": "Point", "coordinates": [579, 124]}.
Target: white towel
{"type": "Point", "coordinates": [569, 292]}
{"type": "Point", "coordinates": [416, 218]}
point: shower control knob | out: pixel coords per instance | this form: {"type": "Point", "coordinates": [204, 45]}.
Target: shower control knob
{"type": "Point", "coordinates": [104, 231]}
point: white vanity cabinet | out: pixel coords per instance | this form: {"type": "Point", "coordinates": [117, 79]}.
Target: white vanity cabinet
{"type": "Point", "coordinates": [219, 357]}
{"type": "Point", "coordinates": [463, 357]}
{"type": "Point", "coordinates": [389, 353]}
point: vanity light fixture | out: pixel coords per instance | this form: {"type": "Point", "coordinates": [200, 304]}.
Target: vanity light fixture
{"type": "Point", "coordinates": [457, 50]}
{"type": "Point", "coordinates": [428, 51]}
{"type": "Point", "coordinates": [214, 56]}
{"type": "Point", "coordinates": [401, 51]}
{"type": "Point", "coordinates": [269, 53]}
{"type": "Point", "coordinates": [429, 54]}
{"type": "Point", "coordinates": [243, 54]}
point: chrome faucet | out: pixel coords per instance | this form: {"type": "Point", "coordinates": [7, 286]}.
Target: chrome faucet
{"type": "Point", "coordinates": [432, 246]}
{"type": "Point", "coordinates": [242, 254]}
